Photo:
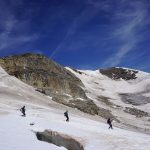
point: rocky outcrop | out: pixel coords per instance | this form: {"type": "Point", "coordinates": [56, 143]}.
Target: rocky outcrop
{"type": "Point", "coordinates": [87, 106]}
{"type": "Point", "coordinates": [60, 139]}
{"type": "Point", "coordinates": [136, 112]}
{"type": "Point", "coordinates": [51, 79]}
{"type": "Point", "coordinates": [134, 98]}
{"type": "Point", "coordinates": [44, 74]}
{"type": "Point", "coordinates": [119, 73]}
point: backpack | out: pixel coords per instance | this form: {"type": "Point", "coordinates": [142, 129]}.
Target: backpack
{"type": "Point", "coordinates": [65, 113]}
{"type": "Point", "coordinates": [108, 121]}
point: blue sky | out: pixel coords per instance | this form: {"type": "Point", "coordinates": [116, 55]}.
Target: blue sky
{"type": "Point", "coordinates": [84, 34]}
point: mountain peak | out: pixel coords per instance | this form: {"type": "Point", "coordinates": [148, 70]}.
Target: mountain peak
{"type": "Point", "coordinates": [24, 55]}
{"type": "Point", "coordinates": [116, 73]}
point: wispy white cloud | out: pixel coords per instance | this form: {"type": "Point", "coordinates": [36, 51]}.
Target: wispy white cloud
{"type": "Point", "coordinates": [82, 18]}
{"type": "Point", "coordinates": [9, 24]}
{"type": "Point", "coordinates": [8, 42]}
{"type": "Point", "coordinates": [104, 5]}
{"type": "Point", "coordinates": [130, 18]}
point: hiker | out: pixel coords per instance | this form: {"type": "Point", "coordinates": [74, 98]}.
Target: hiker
{"type": "Point", "coordinates": [66, 115]}
{"type": "Point", "coordinates": [109, 122]}
{"type": "Point", "coordinates": [23, 111]}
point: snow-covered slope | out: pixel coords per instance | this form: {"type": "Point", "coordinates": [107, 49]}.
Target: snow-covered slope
{"type": "Point", "coordinates": [17, 133]}
{"type": "Point", "coordinates": [128, 101]}
{"type": "Point", "coordinates": [98, 84]}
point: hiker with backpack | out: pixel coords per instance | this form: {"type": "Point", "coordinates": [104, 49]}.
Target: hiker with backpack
{"type": "Point", "coordinates": [109, 122]}
{"type": "Point", "coordinates": [66, 115]}
{"type": "Point", "coordinates": [23, 111]}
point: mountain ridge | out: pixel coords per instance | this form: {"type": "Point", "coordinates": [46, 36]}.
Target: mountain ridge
{"type": "Point", "coordinates": [119, 93]}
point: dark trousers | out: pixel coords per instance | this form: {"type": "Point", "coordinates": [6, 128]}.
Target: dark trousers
{"type": "Point", "coordinates": [67, 118]}
{"type": "Point", "coordinates": [24, 114]}
{"type": "Point", "coordinates": [110, 126]}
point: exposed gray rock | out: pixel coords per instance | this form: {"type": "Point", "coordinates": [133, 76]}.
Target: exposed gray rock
{"type": "Point", "coordinates": [136, 112]}
{"type": "Point", "coordinates": [119, 73]}
{"type": "Point", "coordinates": [134, 127]}
{"type": "Point", "coordinates": [87, 106]}
{"type": "Point", "coordinates": [44, 74]}
{"type": "Point", "coordinates": [134, 98]}
{"type": "Point", "coordinates": [52, 79]}
{"type": "Point", "coordinates": [60, 139]}
{"type": "Point", "coordinates": [107, 102]}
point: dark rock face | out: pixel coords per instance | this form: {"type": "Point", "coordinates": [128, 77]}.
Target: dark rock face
{"type": "Point", "coordinates": [51, 79]}
{"type": "Point", "coordinates": [107, 102]}
{"type": "Point", "coordinates": [138, 113]}
{"type": "Point", "coordinates": [44, 74]}
{"type": "Point", "coordinates": [134, 98]}
{"type": "Point", "coordinates": [119, 73]}
{"type": "Point", "coordinates": [60, 139]}
{"type": "Point", "coordinates": [87, 106]}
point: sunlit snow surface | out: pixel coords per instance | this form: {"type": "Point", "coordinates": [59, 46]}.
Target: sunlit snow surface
{"type": "Point", "coordinates": [98, 85]}
{"type": "Point", "coordinates": [16, 133]}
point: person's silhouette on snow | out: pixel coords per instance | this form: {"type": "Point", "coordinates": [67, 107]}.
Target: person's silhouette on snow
{"type": "Point", "coordinates": [66, 115]}
{"type": "Point", "coordinates": [23, 111]}
{"type": "Point", "coordinates": [109, 122]}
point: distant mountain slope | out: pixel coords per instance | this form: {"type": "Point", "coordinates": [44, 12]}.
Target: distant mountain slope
{"type": "Point", "coordinates": [43, 114]}
{"type": "Point", "coordinates": [49, 78]}
{"type": "Point", "coordinates": [119, 93]}
{"type": "Point", "coordinates": [119, 73]}
{"type": "Point", "coordinates": [13, 91]}
{"type": "Point", "coordinates": [124, 92]}
{"type": "Point", "coordinates": [43, 73]}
